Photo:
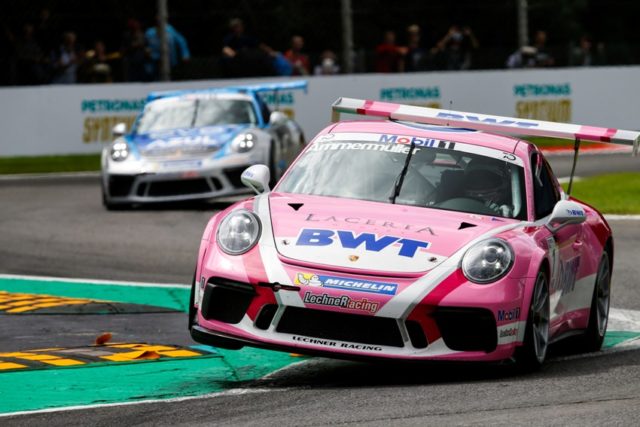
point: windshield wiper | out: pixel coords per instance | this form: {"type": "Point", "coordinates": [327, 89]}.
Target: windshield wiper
{"type": "Point", "coordinates": [195, 113]}
{"type": "Point", "coordinates": [397, 186]}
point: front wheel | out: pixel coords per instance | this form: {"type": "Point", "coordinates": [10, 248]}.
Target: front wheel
{"type": "Point", "coordinates": [599, 312]}
{"type": "Point", "coordinates": [532, 354]}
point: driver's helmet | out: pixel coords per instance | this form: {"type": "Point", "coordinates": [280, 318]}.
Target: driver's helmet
{"type": "Point", "coordinates": [487, 180]}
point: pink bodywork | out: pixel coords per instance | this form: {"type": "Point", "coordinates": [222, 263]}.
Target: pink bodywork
{"type": "Point", "coordinates": [431, 278]}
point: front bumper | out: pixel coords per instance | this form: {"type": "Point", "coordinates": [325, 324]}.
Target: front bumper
{"type": "Point", "coordinates": [451, 330]}
{"type": "Point", "coordinates": [198, 179]}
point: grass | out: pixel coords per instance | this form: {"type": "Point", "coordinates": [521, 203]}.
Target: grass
{"type": "Point", "coordinates": [617, 193]}
{"type": "Point", "coordinates": [45, 164]}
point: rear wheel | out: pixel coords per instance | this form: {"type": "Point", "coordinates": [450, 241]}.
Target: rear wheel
{"type": "Point", "coordinates": [599, 313]}
{"type": "Point", "coordinates": [532, 354]}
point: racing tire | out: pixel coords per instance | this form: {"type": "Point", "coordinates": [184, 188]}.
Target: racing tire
{"type": "Point", "coordinates": [531, 355]}
{"type": "Point", "coordinates": [599, 313]}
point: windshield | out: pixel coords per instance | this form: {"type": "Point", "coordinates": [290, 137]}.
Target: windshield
{"type": "Point", "coordinates": [194, 113]}
{"type": "Point", "coordinates": [440, 178]}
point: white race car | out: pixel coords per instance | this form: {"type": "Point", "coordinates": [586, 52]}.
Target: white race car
{"type": "Point", "coordinates": [188, 145]}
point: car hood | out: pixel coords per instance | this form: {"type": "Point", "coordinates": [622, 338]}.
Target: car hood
{"type": "Point", "coordinates": [208, 138]}
{"type": "Point", "coordinates": [378, 238]}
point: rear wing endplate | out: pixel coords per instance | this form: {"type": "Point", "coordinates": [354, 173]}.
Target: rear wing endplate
{"type": "Point", "coordinates": [259, 88]}
{"type": "Point", "coordinates": [485, 122]}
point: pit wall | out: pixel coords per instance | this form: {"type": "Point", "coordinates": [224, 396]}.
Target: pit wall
{"type": "Point", "coordinates": [58, 119]}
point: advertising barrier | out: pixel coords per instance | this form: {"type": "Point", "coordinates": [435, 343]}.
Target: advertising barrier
{"type": "Point", "coordinates": [78, 119]}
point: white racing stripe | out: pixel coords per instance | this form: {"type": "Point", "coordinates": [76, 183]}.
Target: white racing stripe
{"type": "Point", "coordinates": [423, 286]}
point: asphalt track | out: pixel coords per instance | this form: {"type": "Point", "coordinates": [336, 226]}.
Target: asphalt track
{"type": "Point", "coordinates": [57, 227]}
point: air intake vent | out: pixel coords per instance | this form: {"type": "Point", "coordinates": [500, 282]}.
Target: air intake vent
{"type": "Point", "coordinates": [340, 326]}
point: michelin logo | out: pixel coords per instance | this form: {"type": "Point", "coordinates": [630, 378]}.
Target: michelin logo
{"type": "Point", "coordinates": [310, 279]}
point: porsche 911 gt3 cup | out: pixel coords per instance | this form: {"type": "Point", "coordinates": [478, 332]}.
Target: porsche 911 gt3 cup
{"type": "Point", "coordinates": [189, 145]}
{"type": "Point", "coordinates": [417, 237]}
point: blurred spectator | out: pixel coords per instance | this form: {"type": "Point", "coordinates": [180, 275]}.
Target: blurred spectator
{"type": "Point", "coordinates": [30, 58]}
{"type": "Point", "coordinates": [280, 65]}
{"type": "Point", "coordinates": [47, 32]}
{"type": "Point", "coordinates": [134, 53]}
{"type": "Point", "coordinates": [243, 55]}
{"type": "Point", "coordinates": [532, 56]}
{"type": "Point", "coordinates": [98, 64]}
{"type": "Point", "coordinates": [455, 50]}
{"type": "Point", "coordinates": [583, 55]}
{"type": "Point", "coordinates": [416, 56]}
{"type": "Point", "coordinates": [328, 64]}
{"type": "Point", "coordinates": [65, 60]}
{"type": "Point", "coordinates": [178, 48]}
{"type": "Point", "coordinates": [299, 60]}
{"type": "Point", "coordinates": [389, 55]}
{"type": "Point", "coordinates": [543, 56]}
{"type": "Point", "coordinates": [237, 41]}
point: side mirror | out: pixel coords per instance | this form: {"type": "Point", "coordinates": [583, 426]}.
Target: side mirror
{"type": "Point", "coordinates": [119, 130]}
{"type": "Point", "coordinates": [257, 178]}
{"type": "Point", "coordinates": [565, 213]}
{"type": "Point", "coordinates": [278, 118]}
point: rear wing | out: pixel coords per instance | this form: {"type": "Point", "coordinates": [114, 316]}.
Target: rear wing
{"type": "Point", "coordinates": [259, 88]}
{"type": "Point", "coordinates": [485, 122]}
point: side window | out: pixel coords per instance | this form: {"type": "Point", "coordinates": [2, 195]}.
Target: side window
{"type": "Point", "coordinates": [264, 110]}
{"type": "Point", "coordinates": [545, 193]}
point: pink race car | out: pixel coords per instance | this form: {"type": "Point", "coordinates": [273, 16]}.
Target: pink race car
{"type": "Point", "coordinates": [417, 237]}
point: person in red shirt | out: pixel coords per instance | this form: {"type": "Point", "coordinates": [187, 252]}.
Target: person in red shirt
{"type": "Point", "coordinates": [299, 60]}
{"type": "Point", "coordinates": [389, 55]}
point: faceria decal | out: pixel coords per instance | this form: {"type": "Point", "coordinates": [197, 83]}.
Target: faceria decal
{"type": "Point", "coordinates": [349, 240]}
{"type": "Point", "coordinates": [329, 343]}
{"type": "Point", "coordinates": [511, 332]}
{"type": "Point", "coordinates": [512, 314]}
{"type": "Point", "coordinates": [488, 120]}
{"type": "Point", "coordinates": [365, 221]}
{"type": "Point", "coordinates": [575, 212]}
{"type": "Point", "coordinates": [563, 277]}
{"type": "Point", "coordinates": [311, 279]}
{"type": "Point", "coordinates": [419, 142]}
{"type": "Point", "coordinates": [367, 146]}
{"type": "Point", "coordinates": [342, 301]}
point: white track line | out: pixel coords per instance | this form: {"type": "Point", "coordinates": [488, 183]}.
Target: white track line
{"type": "Point", "coordinates": [54, 175]}
{"type": "Point", "coordinates": [619, 320]}
{"type": "Point", "coordinates": [232, 392]}
{"type": "Point", "coordinates": [94, 281]}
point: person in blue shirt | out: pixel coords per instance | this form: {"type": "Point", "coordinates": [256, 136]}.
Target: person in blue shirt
{"type": "Point", "coordinates": [178, 49]}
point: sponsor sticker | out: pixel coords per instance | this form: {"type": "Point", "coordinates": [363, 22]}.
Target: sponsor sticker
{"type": "Point", "coordinates": [508, 315]}
{"type": "Point", "coordinates": [343, 283]}
{"type": "Point", "coordinates": [510, 332]}
{"type": "Point", "coordinates": [368, 241]}
{"type": "Point", "coordinates": [182, 164]}
{"type": "Point", "coordinates": [341, 301]}
{"type": "Point", "coordinates": [335, 344]}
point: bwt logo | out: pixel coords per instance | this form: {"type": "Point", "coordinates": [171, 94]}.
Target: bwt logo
{"type": "Point", "coordinates": [348, 240]}
{"type": "Point", "coordinates": [487, 120]}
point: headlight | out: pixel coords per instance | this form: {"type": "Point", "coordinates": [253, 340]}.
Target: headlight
{"type": "Point", "coordinates": [119, 151]}
{"type": "Point", "coordinates": [243, 142]}
{"type": "Point", "coordinates": [238, 232]}
{"type": "Point", "coordinates": [487, 261]}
